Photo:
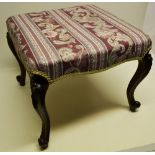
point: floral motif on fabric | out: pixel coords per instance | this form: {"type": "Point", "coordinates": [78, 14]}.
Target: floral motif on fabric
{"type": "Point", "coordinates": [22, 49]}
{"type": "Point", "coordinates": [68, 47]}
{"type": "Point", "coordinates": [109, 34]}
{"type": "Point", "coordinates": [77, 39]}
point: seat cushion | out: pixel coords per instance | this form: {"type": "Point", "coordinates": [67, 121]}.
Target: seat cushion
{"type": "Point", "coordinates": [79, 39]}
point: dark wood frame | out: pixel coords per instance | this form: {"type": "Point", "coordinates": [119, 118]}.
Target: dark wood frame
{"type": "Point", "coordinates": [39, 86]}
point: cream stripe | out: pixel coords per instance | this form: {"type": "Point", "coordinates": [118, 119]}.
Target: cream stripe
{"type": "Point", "coordinates": [122, 28]}
{"type": "Point", "coordinates": [101, 47]}
{"type": "Point", "coordinates": [49, 48]}
{"type": "Point", "coordinates": [91, 49]}
{"type": "Point", "coordinates": [127, 25]}
{"type": "Point", "coordinates": [24, 35]}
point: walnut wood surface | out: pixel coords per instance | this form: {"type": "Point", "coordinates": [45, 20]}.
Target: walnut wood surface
{"type": "Point", "coordinates": [143, 69]}
{"type": "Point", "coordinates": [39, 86]}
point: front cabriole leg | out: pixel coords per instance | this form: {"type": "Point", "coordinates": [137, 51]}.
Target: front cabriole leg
{"type": "Point", "coordinates": [20, 78]}
{"type": "Point", "coordinates": [143, 69]}
{"type": "Point", "coordinates": [39, 86]}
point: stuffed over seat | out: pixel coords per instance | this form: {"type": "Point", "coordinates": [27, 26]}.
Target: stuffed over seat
{"type": "Point", "coordinates": [79, 39]}
{"type": "Point", "coordinates": [53, 44]}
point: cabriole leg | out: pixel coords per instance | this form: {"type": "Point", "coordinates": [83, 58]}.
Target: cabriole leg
{"type": "Point", "coordinates": [39, 86]}
{"type": "Point", "coordinates": [143, 69]}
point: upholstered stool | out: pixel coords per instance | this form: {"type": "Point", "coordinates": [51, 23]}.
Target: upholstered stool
{"type": "Point", "coordinates": [51, 45]}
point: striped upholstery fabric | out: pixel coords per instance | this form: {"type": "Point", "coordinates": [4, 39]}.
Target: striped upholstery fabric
{"type": "Point", "coordinates": [79, 39]}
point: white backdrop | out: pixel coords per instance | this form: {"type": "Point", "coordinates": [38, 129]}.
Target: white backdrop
{"type": "Point", "coordinates": [149, 22]}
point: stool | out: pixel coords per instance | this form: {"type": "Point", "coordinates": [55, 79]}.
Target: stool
{"type": "Point", "coordinates": [56, 44]}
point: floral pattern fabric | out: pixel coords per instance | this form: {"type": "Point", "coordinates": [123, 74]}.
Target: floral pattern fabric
{"type": "Point", "coordinates": [77, 39]}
